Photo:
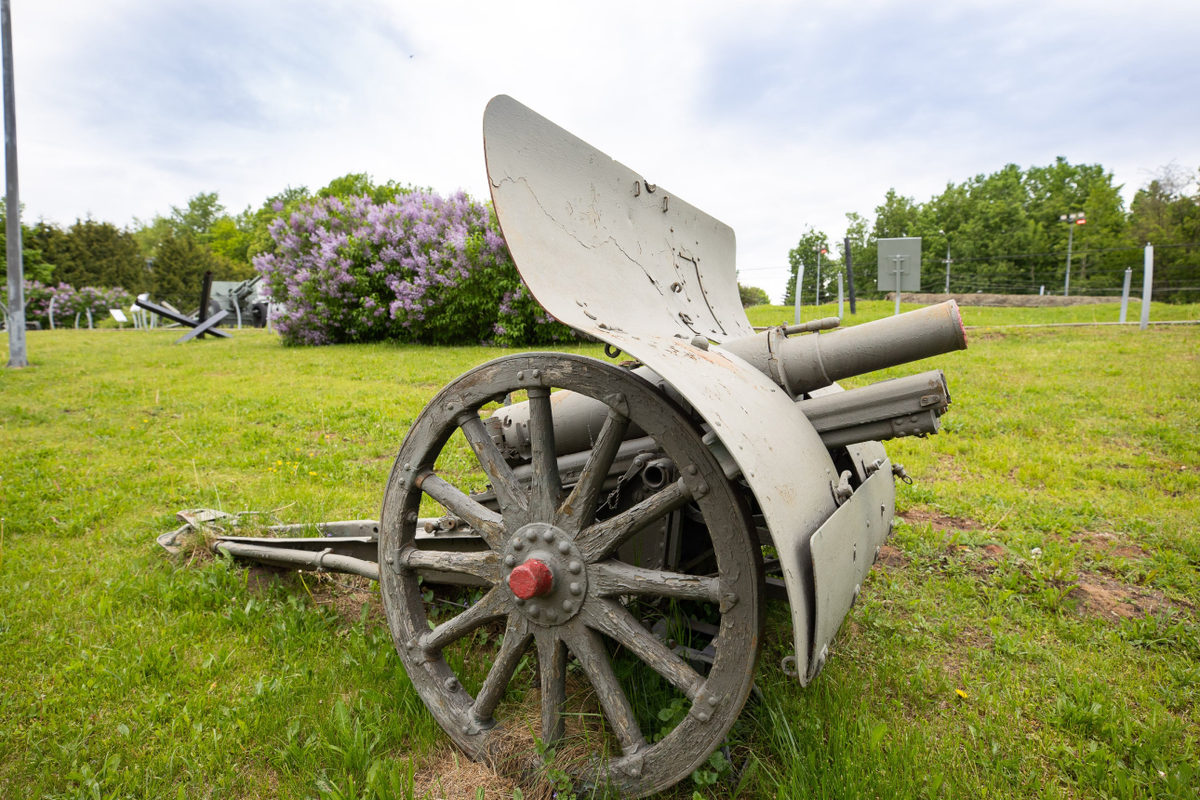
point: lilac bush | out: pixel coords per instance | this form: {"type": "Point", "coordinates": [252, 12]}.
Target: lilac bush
{"type": "Point", "coordinates": [69, 301]}
{"type": "Point", "coordinates": [419, 268]}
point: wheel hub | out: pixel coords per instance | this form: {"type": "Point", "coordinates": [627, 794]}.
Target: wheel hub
{"type": "Point", "coordinates": [544, 573]}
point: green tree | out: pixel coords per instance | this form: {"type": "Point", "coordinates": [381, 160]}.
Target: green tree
{"type": "Point", "coordinates": [91, 253]}
{"type": "Point", "coordinates": [805, 254]}
{"type": "Point", "coordinates": [198, 218]}
{"type": "Point", "coordinates": [752, 296]}
{"type": "Point", "coordinates": [33, 261]}
{"type": "Point", "coordinates": [1166, 213]}
{"type": "Point", "coordinates": [179, 266]}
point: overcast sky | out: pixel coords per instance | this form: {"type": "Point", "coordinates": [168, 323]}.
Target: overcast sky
{"type": "Point", "coordinates": [769, 116]}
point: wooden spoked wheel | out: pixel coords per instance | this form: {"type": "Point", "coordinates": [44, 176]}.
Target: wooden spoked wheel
{"type": "Point", "coordinates": [555, 583]}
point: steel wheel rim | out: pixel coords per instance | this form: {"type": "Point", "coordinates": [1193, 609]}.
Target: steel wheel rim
{"type": "Point", "coordinates": [715, 700]}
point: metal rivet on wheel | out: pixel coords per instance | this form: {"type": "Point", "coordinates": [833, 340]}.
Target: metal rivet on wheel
{"type": "Point", "coordinates": [576, 589]}
{"type": "Point", "coordinates": [412, 516]}
{"type": "Point", "coordinates": [537, 373]}
{"type": "Point", "coordinates": [532, 536]}
{"type": "Point", "coordinates": [407, 467]}
{"type": "Point", "coordinates": [533, 610]}
{"type": "Point", "coordinates": [518, 544]}
{"type": "Point", "coordinates": [568, 606]}
{"type": "Point", "coordinates": [713, 700]}
{"type": "Point", "coordinates": [391, 559]}
{"type": "Point", "coordinates": [564, 547]}
{"type": "Point", "coordinates": [510, 560]}
{"type": "Point", "coordinates": [521, 376]}
{"type": "Point", "coordinates": [691, 470]}
{"type": "Point", "coordinates": [552, 615]}
{"type": "Point", "coordinates": [548, 536]}
{"type": "Point", "coordinates": [520, 601]}
{"type": "Point", "coordinates": [575, 567]}
{"type": "Point", "coordinates": [703, 716]}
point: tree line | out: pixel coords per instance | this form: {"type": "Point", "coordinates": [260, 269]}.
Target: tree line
{"type": "Point", "coordinates": [1004, 234]}
{"type": "Point", "coordinates": [168, 255]}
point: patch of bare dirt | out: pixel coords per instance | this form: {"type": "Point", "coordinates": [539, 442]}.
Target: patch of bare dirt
{"type": "Point", "coordinates": [1104, 597]}
{"type": "Point", "coordinates": [939, 521]}
{"type": "Point", "coordinates": [347, 594]}
{"type": "Point", "coordinates": [452, 776]}
{"type": "Point", "coordinates": [1108, 544]}
{"type": "Point", "coordinates": [891, 557]}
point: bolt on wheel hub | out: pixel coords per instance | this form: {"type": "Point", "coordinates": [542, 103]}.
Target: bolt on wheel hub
{"type": "Point", "coordinates": [545, 574]}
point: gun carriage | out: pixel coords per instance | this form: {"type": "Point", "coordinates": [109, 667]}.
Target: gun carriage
{"type": "Point", "coordinates": [628, 508]}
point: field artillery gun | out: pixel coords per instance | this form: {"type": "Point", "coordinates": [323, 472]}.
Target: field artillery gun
{"type": "Point", "coordinates": [621, 535]}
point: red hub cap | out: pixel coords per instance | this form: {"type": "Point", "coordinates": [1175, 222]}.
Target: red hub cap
{"type": "Point", "coordinates": [531, 579]}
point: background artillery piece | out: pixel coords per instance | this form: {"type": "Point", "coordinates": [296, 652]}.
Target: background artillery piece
{"type": "Point", "coordinates": [627, 509]}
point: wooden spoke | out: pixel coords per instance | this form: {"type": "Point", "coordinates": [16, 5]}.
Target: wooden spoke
{"type": "Point", "coordinates": [552, 665]}
{"type": "Point", "coordinates": [579, 509]}
{"type": "Point", "coordinates": [482, 520]}
{"type": "Point", "coordinates": [587, 646]}
{"type": "Point", "coordinates": [513, 500]}
{"type": "Point", "coordinates": [613, 578]}
{"type": "Point", "coordinates": [599, 540]}
{"type": "Point", "coordinates": [492, 606]}
{"type": "Point", "coordinates": [516, 640]}
{"type": "Point", "coordinates": [545, 492]}
{"type": "Point", "coordinates": [611, 618]}
{"type": "Point", "coordinates": [485, 565]}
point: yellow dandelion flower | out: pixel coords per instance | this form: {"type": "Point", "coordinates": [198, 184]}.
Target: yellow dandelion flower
{"type": "Point", "coordinates": [961, 693]}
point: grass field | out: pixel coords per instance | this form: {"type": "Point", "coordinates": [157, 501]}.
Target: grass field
{"type": "Point", "coordinates": [1031, 630]}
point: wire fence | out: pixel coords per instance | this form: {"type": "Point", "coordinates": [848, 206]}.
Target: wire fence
{"type": "Point", "coordinates": [1101, 272]}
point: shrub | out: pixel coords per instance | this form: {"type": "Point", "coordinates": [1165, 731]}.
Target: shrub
{"type": "Point", "coordinates": [69, 301]}
{"type": "Point", "coordinates": [417, 268]}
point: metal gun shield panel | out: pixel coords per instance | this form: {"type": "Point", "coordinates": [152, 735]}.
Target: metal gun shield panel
{"type": "Point", "coordinates": [843, 551]}
{"type": "Point", "coordinates": [602, 261]}
{"type": "Point", "coordinates": [598, 244]}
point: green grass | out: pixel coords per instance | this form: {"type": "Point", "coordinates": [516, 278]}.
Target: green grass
{"type": "Point", "coordinates": [1069, 467]}
{"type": "Point", "coordinates": [869, 310]}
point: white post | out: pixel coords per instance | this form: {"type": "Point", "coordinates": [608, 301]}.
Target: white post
{"type": "Point", "coordinates": [1070, 241]}
{"type": "Point", "coordinates": [799, 283]}
{"type": "Point", "coordinates": [1125, 295]}
{"type": "Point", "coordinates": [1147, 285]}
{"type": "Point", "coordinates": [840, 295]}
{"type": "Point", "coordinates": [898, 260]}
{"type": "Point", "coordinates": [52, 299]}
{"type": "Point", "coordinates": [89, 312]}
{"type": "Point", "coordinates": [818, 276]}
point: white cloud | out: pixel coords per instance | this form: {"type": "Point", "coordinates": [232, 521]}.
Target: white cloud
{"type": "Point", "coordinates": [770, 116]}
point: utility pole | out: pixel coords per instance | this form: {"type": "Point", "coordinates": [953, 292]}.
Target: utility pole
{"type": "Point", "coordinates": [16, 269]}
{"type": "Point", "coordinates": [849, 274]}
{"type": "Point", "coordinates": [947, 260]}
{"type": "Point", "coordinates": [1074, 219]}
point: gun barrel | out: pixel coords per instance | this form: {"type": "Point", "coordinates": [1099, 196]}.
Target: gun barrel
{"type": "Point", "coordinates": [908, 406]}
{"type": "Point", "coordinates": [801, 364]}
